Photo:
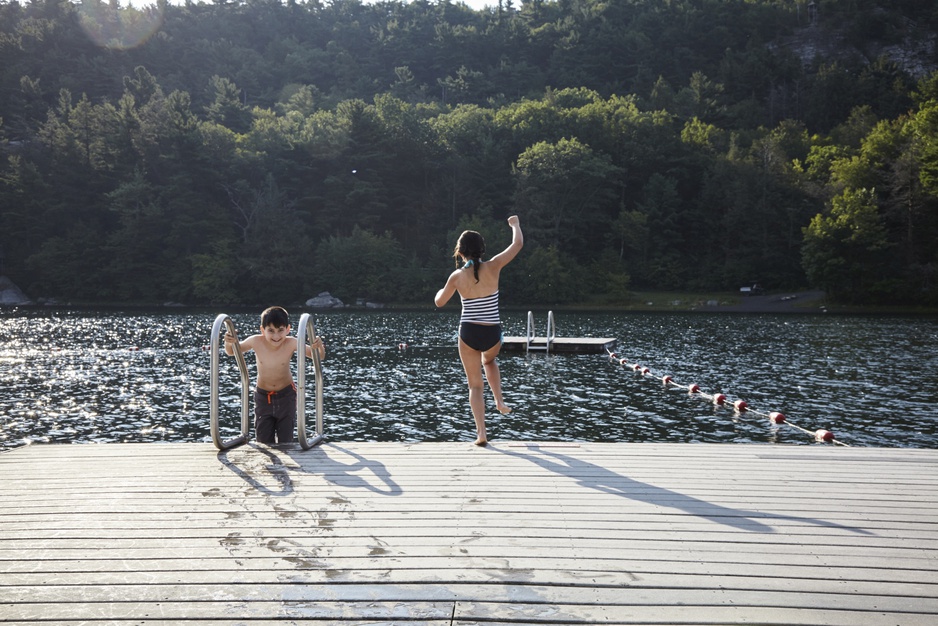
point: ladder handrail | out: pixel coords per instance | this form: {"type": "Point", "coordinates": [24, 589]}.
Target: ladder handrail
{"type": "Point", "coordinates": [307, 332]}
{"type": "Point", "coordinates": [224, 320]}
{"type": "Point", "coordinates": [529, 335]}
{"type": "Point", "coordinates": [551, 331]}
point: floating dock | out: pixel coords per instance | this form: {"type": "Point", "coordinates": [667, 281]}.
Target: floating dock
{"type": "Point", "coordinates": [568, 345]}
{"type": "Point", "coordinates": [452, 534]}
{"type": "Point", "coordinates": [551, 343]}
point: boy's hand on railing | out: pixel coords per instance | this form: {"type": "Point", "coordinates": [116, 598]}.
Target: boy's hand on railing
{"type": "Point", "coordinates": [320, 346]}
{"type": "Point", "coordinates": [229, 344]}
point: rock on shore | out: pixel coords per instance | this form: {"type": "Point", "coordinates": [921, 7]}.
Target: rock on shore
{"type": "Point", "coordinates": [10, 294]}
{"type": "Point", "coordinates": [325, 300]}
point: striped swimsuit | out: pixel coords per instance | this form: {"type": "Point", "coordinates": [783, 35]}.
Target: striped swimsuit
{"type": "Point", "coordinates": [480, 326]}
{"type": "Point", "coordinates": [480, 310]}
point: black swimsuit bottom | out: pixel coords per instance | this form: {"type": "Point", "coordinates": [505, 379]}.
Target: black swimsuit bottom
{"type": "Point", "coordinates": [480, 337]}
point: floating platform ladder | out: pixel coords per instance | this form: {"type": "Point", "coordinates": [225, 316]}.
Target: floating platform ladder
{"type": "Point", "coordinates": [532, 342]}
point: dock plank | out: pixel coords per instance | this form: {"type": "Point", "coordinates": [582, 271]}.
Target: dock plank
{"type": "Point", "coordinates": [448, 533]}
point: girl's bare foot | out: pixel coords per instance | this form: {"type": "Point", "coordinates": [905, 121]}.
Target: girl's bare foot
{"type": "Point", "coordinates": [504, 409]}
{"type": "Point", "coordinates": [481, 442]}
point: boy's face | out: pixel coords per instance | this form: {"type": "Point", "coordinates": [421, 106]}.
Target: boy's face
{"type": "Point", "coordinates": [275, 335]}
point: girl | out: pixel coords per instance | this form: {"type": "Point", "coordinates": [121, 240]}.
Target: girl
{"type": "Point", "coordinates": [480, 331]}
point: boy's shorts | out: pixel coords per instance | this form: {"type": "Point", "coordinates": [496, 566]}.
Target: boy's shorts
{"type": "Point", "coordinates": [275, 414]}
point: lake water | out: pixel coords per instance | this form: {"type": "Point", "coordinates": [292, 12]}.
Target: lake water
{"type": "Point", "coordinates": [79, 376]}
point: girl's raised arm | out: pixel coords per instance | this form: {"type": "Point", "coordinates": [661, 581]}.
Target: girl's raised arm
{"type": "Point", "coordinates": [504, 257]}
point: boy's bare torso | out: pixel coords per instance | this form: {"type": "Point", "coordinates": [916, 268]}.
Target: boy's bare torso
{"type": "Point", "coordinates": [273, 350]}
{"type": "Point", "coordinates": [273, 362]}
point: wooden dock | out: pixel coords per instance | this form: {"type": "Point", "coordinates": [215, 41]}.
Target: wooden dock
{"type": "Point", "coordinates": [448, 533]}
{"type": "Point", "coordinates": [561, 345]}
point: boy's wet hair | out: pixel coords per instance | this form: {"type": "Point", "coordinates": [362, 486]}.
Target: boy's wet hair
{"type": "Point", "coordinates": [275, 316]}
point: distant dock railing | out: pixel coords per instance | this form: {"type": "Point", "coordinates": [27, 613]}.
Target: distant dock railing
{"type": "Point", "coordinates": [531, 342]}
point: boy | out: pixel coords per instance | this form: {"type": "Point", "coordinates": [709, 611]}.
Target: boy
{"type": "Point", "coordinates": [275, 396]}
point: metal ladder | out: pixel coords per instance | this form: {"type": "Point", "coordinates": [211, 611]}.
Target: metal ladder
{"type": "Point", "coordinates": [306, 332]}
{"type": "Point", "coordinates": [530, 336]}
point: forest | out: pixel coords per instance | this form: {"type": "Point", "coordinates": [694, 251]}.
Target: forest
{"type": "Point", "coordinates": [263, 151]}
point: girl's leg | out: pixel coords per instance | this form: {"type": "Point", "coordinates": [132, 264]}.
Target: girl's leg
{"type": "Point", "coordinates": [494, 376]}
{"type": "Point", "coordinates": [471, 362]}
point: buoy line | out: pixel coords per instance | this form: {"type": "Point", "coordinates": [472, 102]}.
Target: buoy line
{"type": "Point", "coordinates": [719, 399]}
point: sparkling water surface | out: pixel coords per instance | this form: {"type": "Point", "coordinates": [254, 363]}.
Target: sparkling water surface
{"type": "Point", "coordinates": [74, 376]}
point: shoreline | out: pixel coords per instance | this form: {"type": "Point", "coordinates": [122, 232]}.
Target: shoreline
{"type": "Point", "coordinates": [809, 302]}
{"type": "Point", "coordinates": [798, 302]}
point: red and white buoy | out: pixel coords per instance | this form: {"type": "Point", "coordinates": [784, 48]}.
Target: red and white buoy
{"type": "Point", "coordinates": [693, 388]}
{"type": "Point", "coordinates": [719, 399]}
{"type": "Point", "coordinates": [740, 406]}
{"type": "Point", "coordinates": [776, 418]}
{"type": "Point", "coordinates": [823, 435]}
{"type": "Point", "coordinates": [666, 380]}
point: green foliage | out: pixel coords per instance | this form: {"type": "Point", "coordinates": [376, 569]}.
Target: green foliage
{"type": "Point", "coordinates": [844, 251]}
{"type": "Point", "coordinates": [363, 265]}
{"type": "Point", "coordinates": [564, 190]}
{"type": "Point", "coordinates": [608, 278]}
{"type": "Point", "coordinates": [252, 152]}
{"type": "Point", "coordinates": [925, 128]}
{"type": "Point", "coordinates": [544, 276]}
{"type": "Point", "coordinates": [214, 274]}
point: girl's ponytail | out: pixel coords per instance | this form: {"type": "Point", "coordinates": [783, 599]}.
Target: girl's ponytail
{"type": "Point", "coordinates": [470, 247]}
